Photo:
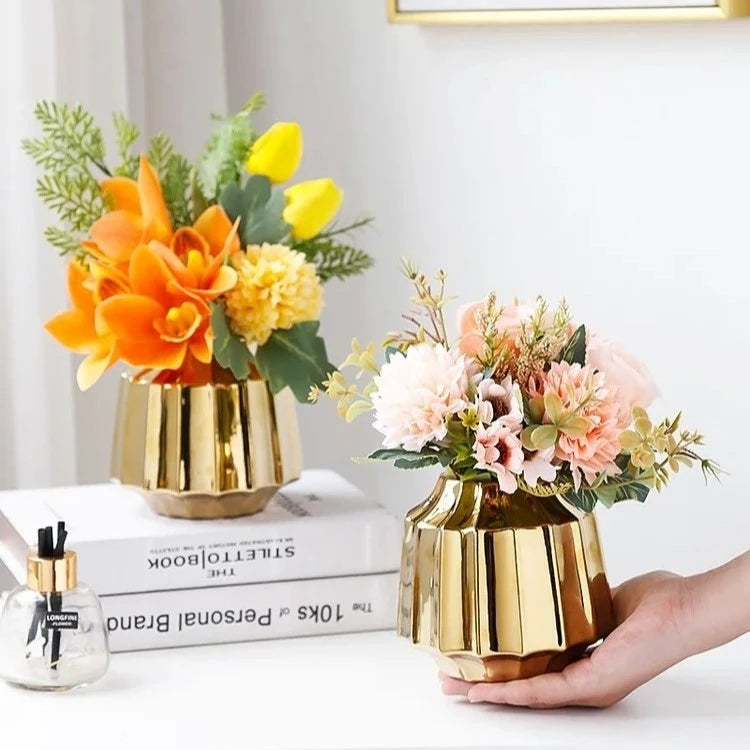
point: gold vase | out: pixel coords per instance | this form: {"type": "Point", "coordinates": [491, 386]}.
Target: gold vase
{"type": "Point", "coordinates": [205, 451]}
{"type": "Point", "coordinates": [501, 587]}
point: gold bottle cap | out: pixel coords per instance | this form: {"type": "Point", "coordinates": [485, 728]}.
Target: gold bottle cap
{"type": "Point", "coordinates": [50, 575]}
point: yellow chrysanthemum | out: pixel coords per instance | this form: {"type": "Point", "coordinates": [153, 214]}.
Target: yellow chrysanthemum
{"type": "Point", "coordinates": [276, 288]}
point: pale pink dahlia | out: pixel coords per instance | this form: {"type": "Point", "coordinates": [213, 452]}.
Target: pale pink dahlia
{"type": "Point", "coordinates": [498, 450]}
{"type": "Point", "coordinates": [416, 394]}
{"type": "Point", "coordinates": [594, 452]}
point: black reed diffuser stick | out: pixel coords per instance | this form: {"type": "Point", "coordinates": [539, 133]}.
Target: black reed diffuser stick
{"type": "Point", "coordinates": [56, 598]}
{"type": "Point", "coordinates": [50, 601]}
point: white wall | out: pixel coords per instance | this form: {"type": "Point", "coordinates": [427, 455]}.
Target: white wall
{"type": "Point", "coordinates": [606, 163]}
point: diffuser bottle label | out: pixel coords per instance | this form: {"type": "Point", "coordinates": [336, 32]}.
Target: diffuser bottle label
{"type": "Point", "coordinates": [61, 620]}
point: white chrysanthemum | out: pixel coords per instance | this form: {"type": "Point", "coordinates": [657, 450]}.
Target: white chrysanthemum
{"type": "Point", "coordinates": [416, 393]}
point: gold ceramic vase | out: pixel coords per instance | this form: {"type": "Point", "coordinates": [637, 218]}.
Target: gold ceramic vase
{"type": "Point", "coordinates": [501, 587]}
{"type": "Point", "coordinates": [205, 451]}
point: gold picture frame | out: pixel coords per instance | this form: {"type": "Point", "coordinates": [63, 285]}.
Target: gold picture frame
{"type": "Point", "coordinates": [722, 9]}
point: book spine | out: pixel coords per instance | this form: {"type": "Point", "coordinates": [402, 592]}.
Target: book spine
{"type": "Point", "coordinates": [308, 548]}
{"type": "Point", "coordinates": [227, 614]}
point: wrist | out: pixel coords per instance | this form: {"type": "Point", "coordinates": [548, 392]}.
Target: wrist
{"type": "Point", "coordinates": [716, 605]}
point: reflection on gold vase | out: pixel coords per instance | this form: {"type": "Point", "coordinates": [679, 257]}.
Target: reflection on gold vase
{"type": "Point", "coordinates": [205, 451]}
{"type": "Point", "coordinates": [500, 587]}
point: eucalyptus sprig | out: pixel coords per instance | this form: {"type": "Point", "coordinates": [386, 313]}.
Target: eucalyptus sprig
{"type": "Point", "coordinates": [662, 449]}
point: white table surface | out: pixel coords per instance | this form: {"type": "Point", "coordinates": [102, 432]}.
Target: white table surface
{"type": "Point", "coordinates": [358, 691]}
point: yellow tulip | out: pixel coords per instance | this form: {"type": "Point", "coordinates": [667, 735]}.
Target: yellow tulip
{"type": "Point", "coordinates": [311, 205]}
{"type": "Point", "coordinates": [277, 153]}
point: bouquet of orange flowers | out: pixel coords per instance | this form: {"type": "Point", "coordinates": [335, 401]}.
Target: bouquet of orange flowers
{"type": "Point", "coordinates": [192, 270]}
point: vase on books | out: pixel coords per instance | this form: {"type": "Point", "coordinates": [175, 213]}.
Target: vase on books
{"type": "Point", "coordinates": [501, 587]}
{"type": "Point", "coordinates": [216, 450]}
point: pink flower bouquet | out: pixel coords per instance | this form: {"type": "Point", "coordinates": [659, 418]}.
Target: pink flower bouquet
{"type": "Point", "coordinates": [524, 397]}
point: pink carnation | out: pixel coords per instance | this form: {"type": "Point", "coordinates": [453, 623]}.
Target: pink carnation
{"type": "Point", "coordinates": [607, 417]}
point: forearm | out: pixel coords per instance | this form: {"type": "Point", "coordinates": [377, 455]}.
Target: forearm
{"type": "Point", "coordinates": [718, 605]}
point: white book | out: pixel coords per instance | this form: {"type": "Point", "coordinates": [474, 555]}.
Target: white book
{"type": "Point", "coordinates": [225, 614]}
{"type": "Point", "coordinates": [319, 526]}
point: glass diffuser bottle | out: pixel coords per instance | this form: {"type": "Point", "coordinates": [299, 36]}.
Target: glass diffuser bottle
{"type": "Point", "coordinates": [52, 630]}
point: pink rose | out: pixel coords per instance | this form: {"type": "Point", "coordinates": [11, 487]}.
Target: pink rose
{"type": "Point", "coordinates": [628, 375]}
{"type": "Point", "coordinates": [509, 322]}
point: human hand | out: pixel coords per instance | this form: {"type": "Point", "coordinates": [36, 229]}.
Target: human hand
{"type": "Point", "coordinates": [652, 613]}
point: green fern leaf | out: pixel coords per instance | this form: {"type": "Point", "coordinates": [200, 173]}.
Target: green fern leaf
{"type": "Point", "coordinates": [71, 138]}
{"type": "Point", "coordinates": [160, 151]}
{"type": "Point", "coordinates": [76, 198]}
{"type": "Point", "coordinates": [222, 160]}
{"type": "Point", "coordinates": [126, 134]}
{"type": "Point", "coordinates": [63, 239]}
{"type": "Point", "coordinates": [177, 188]}
{"type": "Point", "coordinates": [334, 260]}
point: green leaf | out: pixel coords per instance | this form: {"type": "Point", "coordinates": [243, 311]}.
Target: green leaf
{"type": "Point", "coordinates": [574, 352]}
{"type": "Point", "coordinates": [177, 189]}
{"type": "Point", "coordinates": [258, 209]}
{"type": "Point", "coordinates": [230, 351]}
{"type": "Point", "coordinates": [526, 437]}
{"type": "Point", "coordinates": [222, 161]}
{"type": "Point", "coordinates": [240, 202]}
{"type": "Point", "coordinates": [574, 427]}
{"type": "Point", "coordinates": [64, 240]}
{"type": "Point", "coordinates": [264, 223]}
{"type": "Point", "coordinates": [553, 406]}
{"type": "Point", "coordinates": [75, 196]}
{"type": "Point", "coordinates": [404, 459]}
{"type": "Point", "coordinates": [126, 134]}
{"type": "Point", "coordinates": [544, 436]}
{"type": "Point", "coordinates": [624, 486]}
{"type": "Point", "coordinates": [535, 407]}
{"type": "Point", "coordinates": [294, 357]}
{"type": "Point", "coordinates": [71, 154]}
{"type": "Point", "coordinates": [388, 454]}
{"type": "Point", "coordinates": [332, 258]}
{"type": "Point", "coordinates": [160, 150]}
{"type": "Point", "coordinates": [584, 498]}
{"type": "Point", "coordinates": [417, 463]}
{"type": "Point", "coordinates": [232, 200]}
{"type": "Point", "coordinates": [71, 142]}
{"type": "Point", "coordinates": [476, 475]}
{"type": "Point", "coordinates": [629, 439]}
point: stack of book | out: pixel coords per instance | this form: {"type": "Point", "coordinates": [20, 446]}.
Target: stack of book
{"type": "Point", "coordinates": [320, 559]}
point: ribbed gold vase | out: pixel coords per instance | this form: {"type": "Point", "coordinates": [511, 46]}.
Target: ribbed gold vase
{"type": "Point", "coordinates": [501, 587]}
{"type": "Point", "coordinates": [205, 451]}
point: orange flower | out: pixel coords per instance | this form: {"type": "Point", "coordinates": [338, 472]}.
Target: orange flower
{"type": "Point", "coordinates": [139, 216]}
{"type": "Point", "coordinates": [79, 329]}
{"type": "Point", "coordinates": [144, 298]}
{"type": "Point", "coordinates": [196, 254]}
{"type": "Point", "coordinates": [159, 323]}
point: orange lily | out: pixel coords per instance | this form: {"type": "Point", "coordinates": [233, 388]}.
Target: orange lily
{"type": "Point", "coordinates": [139, 216]}
{"type": "Point", "coordinates": [79, 330]}
{"type": "Point", "coordinates": [159, 323]}
{"type": "Point", "coordinates": [196, 258]}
